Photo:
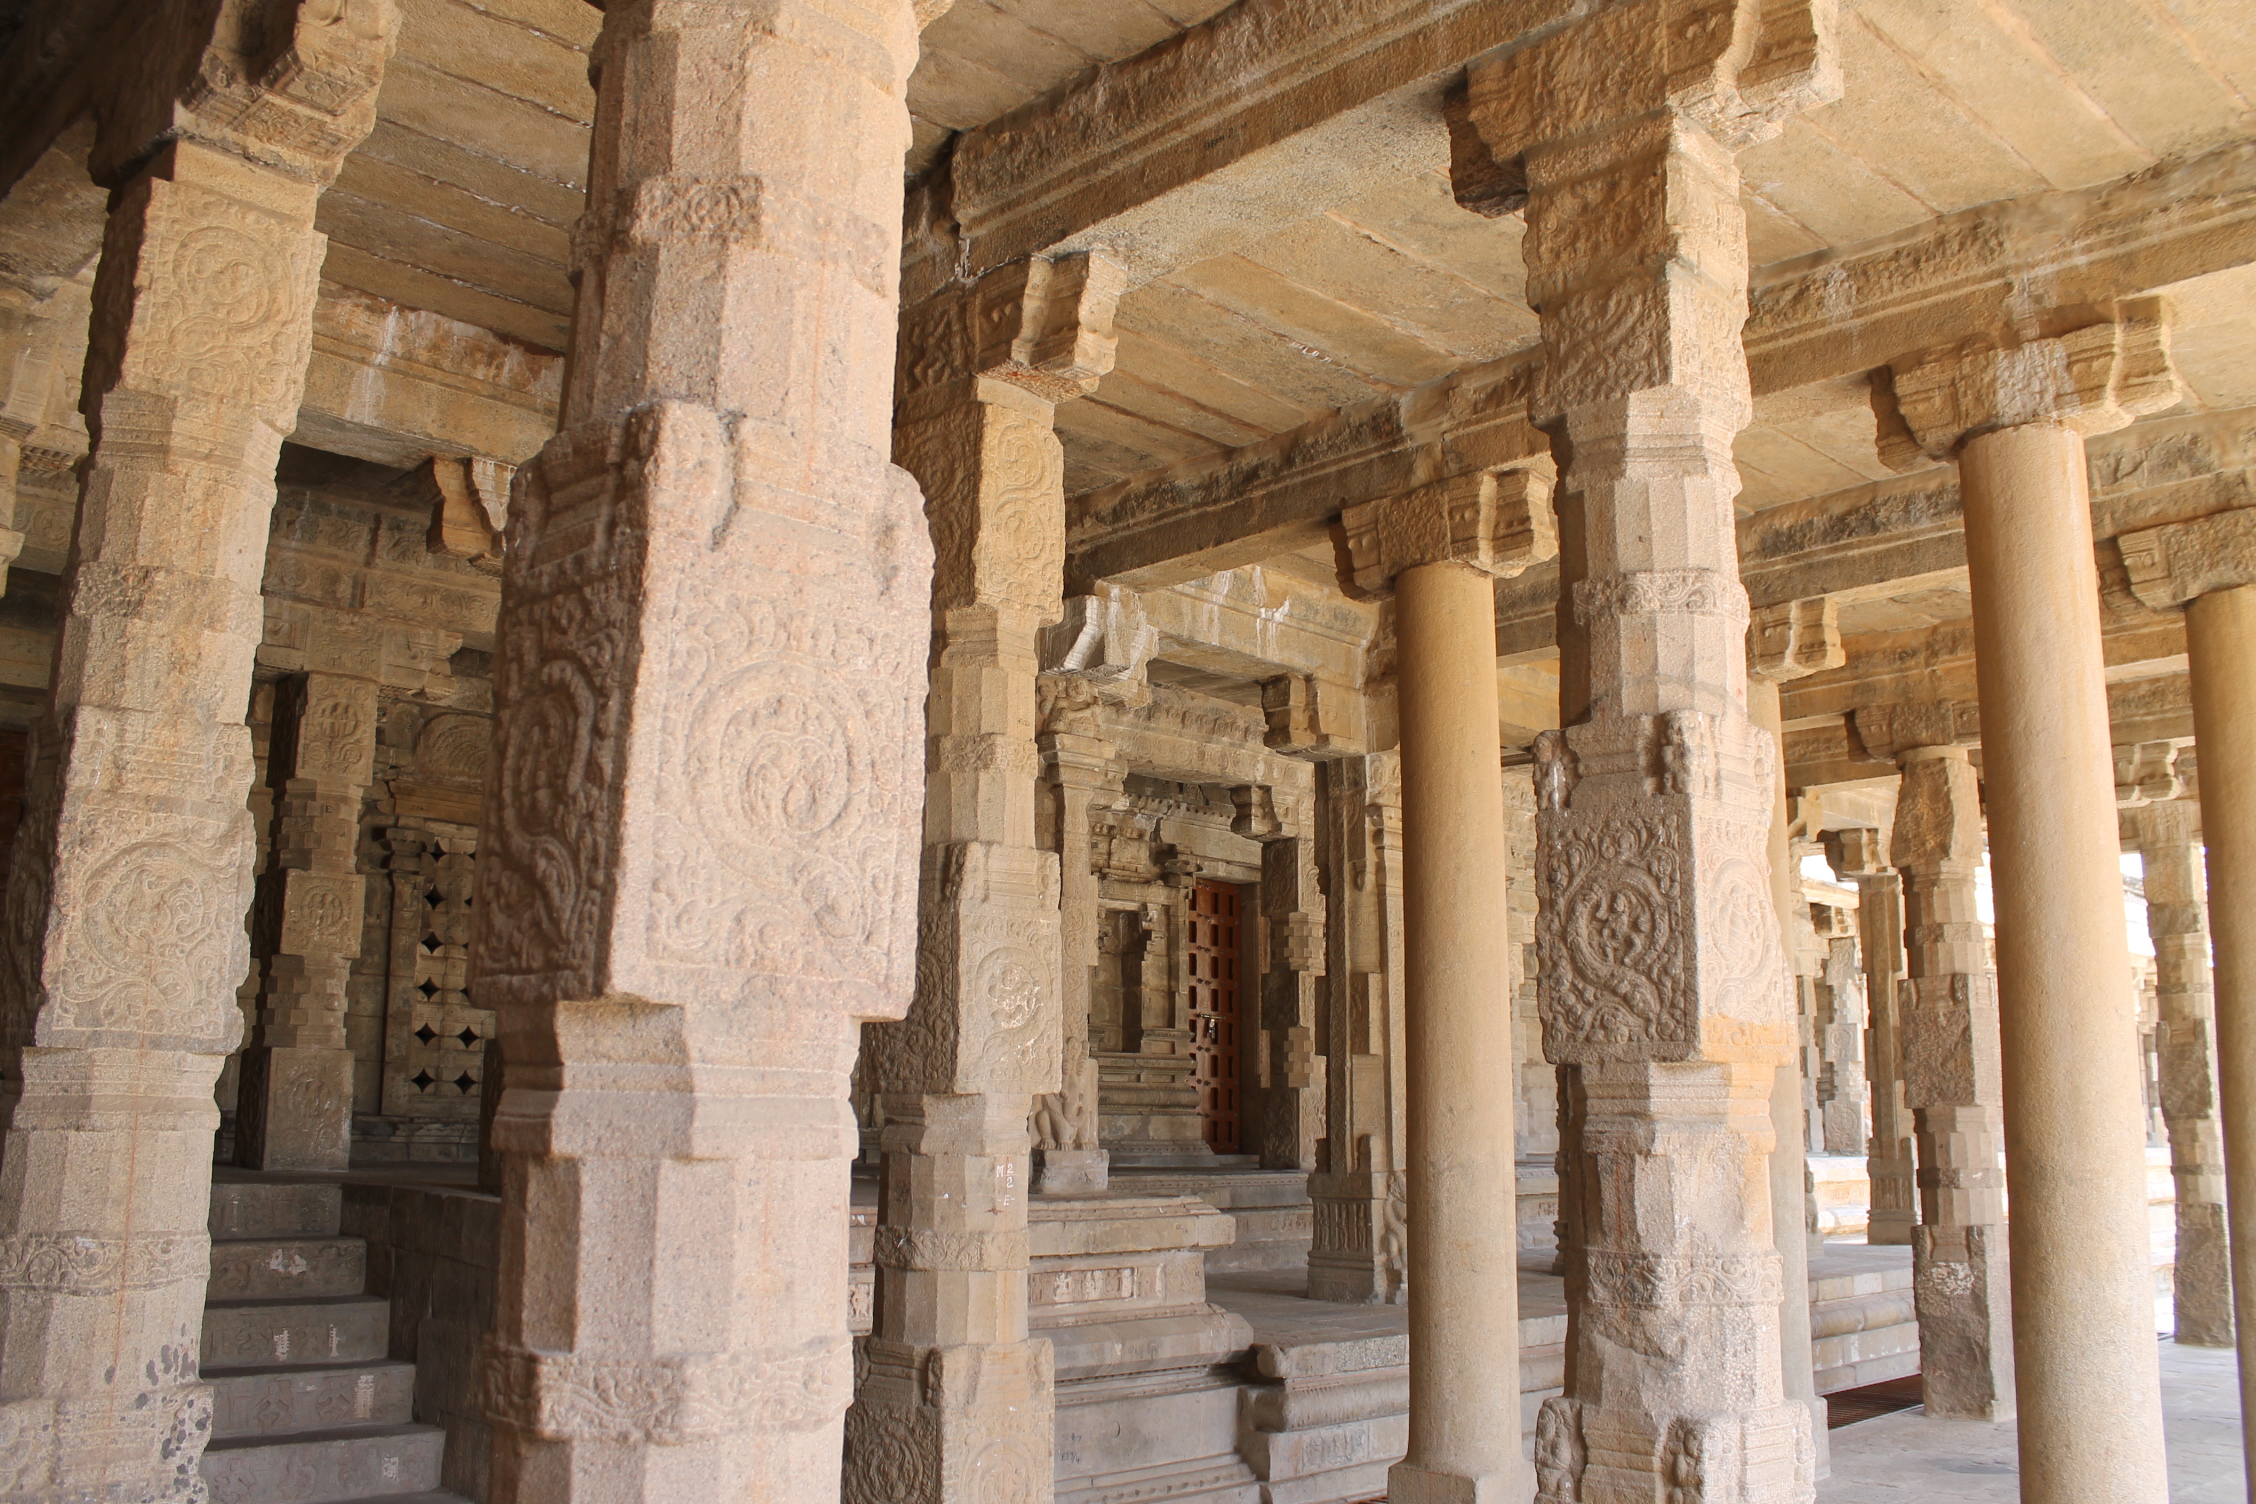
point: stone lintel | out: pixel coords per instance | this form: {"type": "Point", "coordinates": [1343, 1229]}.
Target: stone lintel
{"type": "Point", "coordinates": [2094, 380]}
{"type": "Point", "coordinates": [1169, 155]}
{"type": "Point", "coordinates": [1496, 521]}
{"type": "Point", "coordinates": [1892, 730]}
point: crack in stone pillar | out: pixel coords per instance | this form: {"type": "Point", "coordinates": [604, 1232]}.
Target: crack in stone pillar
{"type": "Point", "coordinates": [2208, 566]}
{"type": "Point", "coordinates": [133, 867]}
{"type": "Point", "coordinates": [698, 874]}
{"type": "Point", "coordinates": [1662, 979]}
{"type": "Point", "coordinates": [297, 1087]}
{"type": "Point", "coordinates": [1857, 855]}
{"type": "Point", "coordinates": [2084, 1363]}
{"type": "Point", "coordinates": [1954, 1087]}
{"type": "Point", "coordinates": [957, 1401]}
{"type": "Point", "coordinates": [2169, 840]}
{"type": "Point", "coordinates": [1438, 551]}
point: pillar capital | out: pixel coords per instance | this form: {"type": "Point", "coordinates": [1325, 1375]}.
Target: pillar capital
{"type": "Point", "coordinates": [2180, 562]}
{"type": "Point", "coordinates": [2154, 773]}
{"type": "Point", "coordinates": [1795, 639]}
{"type": "Point", "coordinates": [1897, 729]}
{"type": "Point", "coordinates": [1041, 326]}
{"type": "Point", "coordinates": [1498, 522]}
{"type": "Point", "coordinates": [297, 96]}
{"type": "Point", "coordinates": [2092, 380]}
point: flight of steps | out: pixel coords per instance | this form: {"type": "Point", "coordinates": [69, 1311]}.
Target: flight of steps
{"type": "Point", "coordinates": [307, 1407]}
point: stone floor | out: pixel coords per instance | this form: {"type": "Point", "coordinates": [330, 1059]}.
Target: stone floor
{"type": "Point", "coordinates": [1901, 1458]}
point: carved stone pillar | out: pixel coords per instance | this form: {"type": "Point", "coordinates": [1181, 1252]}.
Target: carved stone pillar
{"type": "Point", "coordinates": [1662, 980]}
{"type": "Point", "coordinates": [1094, 657]}
{"type": "Point", "coordinates": [698, 873]}
{"type": "Point", "coordinates": [297, 1089]}
{"type": "Point", "coordinates": [1357, 1253]}
{"type": "Point", "coordinates": [2075, 1122]}
{"type": "Point", "coordinates": [1954, 1087]}
{"type": "Point", "coordinates": [1857, 855]}
{"type": "Point", "coordinates": [954, 1382]}
{"type": "Point", "coordinates": [2177, 919]}
{"type": "Point", "coordinates": [1788, 642]}
{"type": "Point", "coordinates": [2209, 566]}
{"type": "Point", "coordinates": [1439, 550]}
{"type": "Point", "coordinates": [133, 866]}
{"type": "Point", "coordinates": [1292, 907]}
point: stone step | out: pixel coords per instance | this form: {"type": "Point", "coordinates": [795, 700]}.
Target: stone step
{"type": "Point", "coordinates": [275, 1209]}
{"type": "Point", "coordinates": [278, 1268]}
{"type": "Point", "coordinates": [318, 1331]}
{"type": "Point", "coordinates": [273, 1401]}
{"type": "Point", "coordinates": [324, 1467]}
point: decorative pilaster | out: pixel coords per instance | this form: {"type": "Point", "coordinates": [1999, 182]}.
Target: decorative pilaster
{"type": "Point", "coordinates": [2177, 919]}
{"type": "Point", "coordinates": [954, 1383]}
{"type": "Point", "coordinates": [2085, 1370]}
{"type": "Point", "coordinates": [295, 1109]}
{"type": "Point", "coordinates": [698, 870]}
{"type": "Point", "coordinates": [134, 863]}
{"type": "Point", "coordinates": [1439, 550]}
{"type": "Point", "coordinates": [1954, 1087]}
{"type": "Point", "coordinates": [1858, 856]}
{"type": "Point", "coordinates": [1662, 981]}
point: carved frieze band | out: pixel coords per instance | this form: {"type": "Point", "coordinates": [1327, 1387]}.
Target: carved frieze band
{"type": "Point", "coordinates": [668, 1400]}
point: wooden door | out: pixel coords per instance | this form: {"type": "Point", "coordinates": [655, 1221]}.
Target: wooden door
{"type": "Point", "coordinates": [1214, 930]}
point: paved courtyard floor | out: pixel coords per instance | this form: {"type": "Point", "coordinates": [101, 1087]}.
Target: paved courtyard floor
{"type": "Point", "coordinates": [1899, 1458]}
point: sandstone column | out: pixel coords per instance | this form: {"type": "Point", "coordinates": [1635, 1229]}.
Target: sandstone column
{"type": "Point", "coordinates": [2075, 1122]}
{"type": "Point", "coordinates": [297, 1088]}
{"type": "Point", "coordinates": [1857, 855]}
{"type": "Point", "coordinates": [1440, 549]}
{"type": "Point", "coordinates": [2210, 567]}
{"type": "Point", "coordinates": [699, 869]}
{"type": "Point", "coordinates": [1789, 642]}
{"type": "Point", "coordinates": [2169, 838]}
{"type": "Point", "coordinates": [133, 866]}
{"type": "Point", "coordinates": [956, 1404]}
{"type": "Point", "coordinates": [1662, 967]}
{"type": "Point", "coordinates": [1952, 1070]}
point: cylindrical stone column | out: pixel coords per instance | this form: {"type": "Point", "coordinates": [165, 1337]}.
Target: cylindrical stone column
{"type": "Point", "coordinates": [2169, 839]}
{"type": "Point", "coordinates": [2075, 1124]}
{"type": "Point", "coordinates": [2221, 637]}
{"type": "Point", "coordinates": [1464, 1276]}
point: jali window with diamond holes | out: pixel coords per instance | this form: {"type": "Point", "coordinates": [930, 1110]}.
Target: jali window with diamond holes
{"type": "Point", "coordinates": [1213, 953]}
{"type": "Point", "coordinates": [438, 1040]}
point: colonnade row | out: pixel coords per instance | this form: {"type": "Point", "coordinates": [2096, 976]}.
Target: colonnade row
{"type": "Point", "coordinates": [723, 834]}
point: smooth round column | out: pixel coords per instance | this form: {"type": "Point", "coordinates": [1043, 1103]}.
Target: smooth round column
{"type": "Point", "coordinates": [2075, 1127]}
{"type": "Point", "coordinates": [2221, 638]}
{"type": "Point", "coordinates": [1464, 1264]}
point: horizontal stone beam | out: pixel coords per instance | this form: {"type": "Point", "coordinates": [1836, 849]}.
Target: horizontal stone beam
{"type": "Point", "coordinates": [1974, 272]}
{"type": "Point", "coordinates": [1282, 494]}
{"type": "Point", "coordinates": [1820, 320]}
{"type": "Point", "coordinates": [394, 385]}
{"type": "Point", "coordinates": [1242, 121]}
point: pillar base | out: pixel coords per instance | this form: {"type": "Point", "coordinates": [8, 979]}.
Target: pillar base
{"type": "Point", "coordinates": [1964, 1296]}
{"type": "Point", "coordinates": [952, 1425]}
{"type": "Point", "coordinates": [1072, 1172]}
{"type": "Point", "coordinates": [1408, 1483]}
{"type": "Point", "coordinates": [1892, 1229]}
{"type": "Point", "coordinates": [296, 1111]}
